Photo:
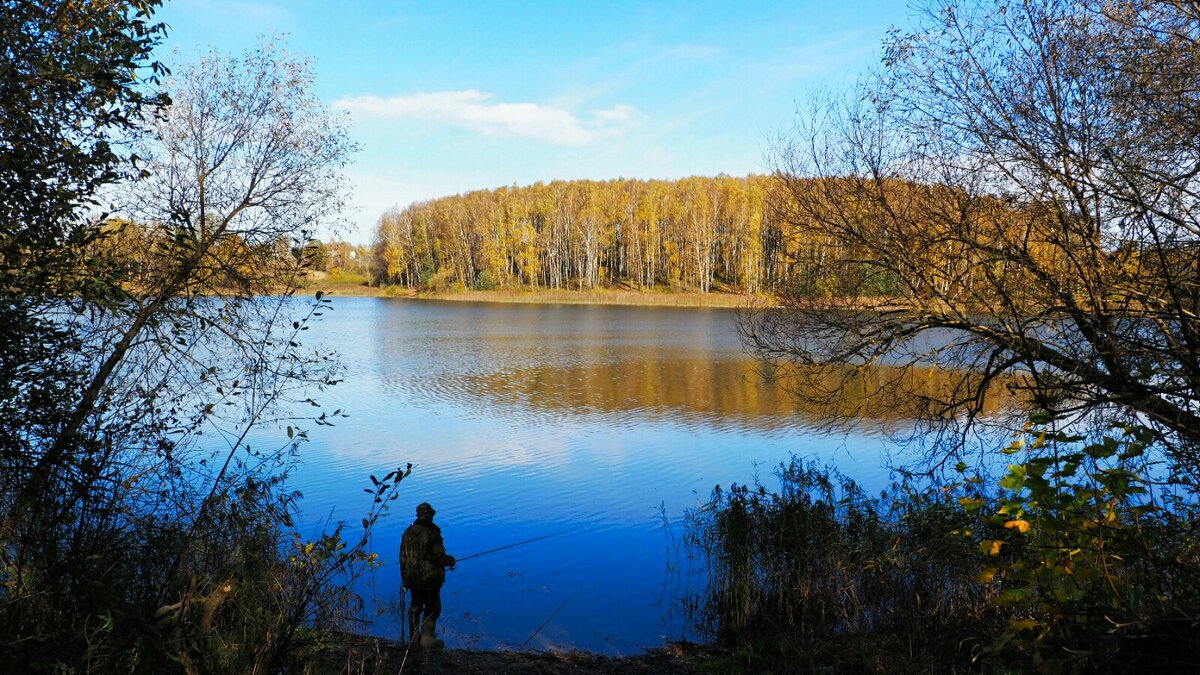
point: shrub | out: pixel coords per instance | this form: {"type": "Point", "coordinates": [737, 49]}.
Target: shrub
{"type": "Point", "coordinates": [441, 280]}
{"type": "Point", "coordinates": [1101, 565]}
{"type": "Point", "coordinates": [486, 281]}
{"type": "Point", "coordinates": [819, 575]}
{"type": "Point", "coordinates": [1083, 557]}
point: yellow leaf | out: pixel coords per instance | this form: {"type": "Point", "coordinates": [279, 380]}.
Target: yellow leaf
{"type": "Point", "coordinates": [1022, 624]}
{"type": "Point", "coordinates": [991, 546]}
{"type": "Point", "coordinates": [986, 575]}
{"type": "Point", "coordinates": [1021, 526]}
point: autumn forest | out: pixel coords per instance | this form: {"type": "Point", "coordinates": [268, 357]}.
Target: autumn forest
{"type": "Point", "coordinates": [696, 233]}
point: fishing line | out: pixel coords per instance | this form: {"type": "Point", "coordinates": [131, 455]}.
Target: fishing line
{"type": "Point", "coordinates": [519, 543]}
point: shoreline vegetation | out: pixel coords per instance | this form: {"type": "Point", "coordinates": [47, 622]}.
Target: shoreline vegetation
{"type": "Point", "coordinates": [546, 296]}
{"type": "Point", "coordinates": [720, 297]}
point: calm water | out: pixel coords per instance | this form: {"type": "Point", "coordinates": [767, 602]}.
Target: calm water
{"type": "Point", "coordinates": [592, 423]}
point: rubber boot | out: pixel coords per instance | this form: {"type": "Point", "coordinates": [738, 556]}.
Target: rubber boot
{"type": "Point", "coordinates": [429, 639]}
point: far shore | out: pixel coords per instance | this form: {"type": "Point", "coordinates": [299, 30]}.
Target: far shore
{"type": "Point", "coordinates": [554, 296]}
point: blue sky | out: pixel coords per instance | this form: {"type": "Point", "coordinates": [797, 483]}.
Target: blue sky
{"type": "Point", "coordinates": [446, 97]}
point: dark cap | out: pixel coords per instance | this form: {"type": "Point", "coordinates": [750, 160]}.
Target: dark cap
{"type": "Point", "coordinates": [424, 510]}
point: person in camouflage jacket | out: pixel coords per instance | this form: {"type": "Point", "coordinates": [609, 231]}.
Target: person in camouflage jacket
{"type": "Point", "coordinates": [423, 563]}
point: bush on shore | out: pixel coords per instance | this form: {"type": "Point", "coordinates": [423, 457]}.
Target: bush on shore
{"type": "Point", "coordinates": [1078, 559]}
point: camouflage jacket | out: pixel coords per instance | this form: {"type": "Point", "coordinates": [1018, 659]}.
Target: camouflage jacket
{"type": "Point", "coordinates": [423, 556]}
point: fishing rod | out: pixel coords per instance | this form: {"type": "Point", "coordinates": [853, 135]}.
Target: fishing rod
{"type": "Point", "coordinates": [508, 546]}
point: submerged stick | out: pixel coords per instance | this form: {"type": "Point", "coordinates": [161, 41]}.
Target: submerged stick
{"type": "Point", "coordinates": [508, 546]}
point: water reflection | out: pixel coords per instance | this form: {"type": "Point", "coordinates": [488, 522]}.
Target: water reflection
{"type": "Point", "coordinates": [524, 420]}
{"type": "Point", "coordinates": [726, 393]}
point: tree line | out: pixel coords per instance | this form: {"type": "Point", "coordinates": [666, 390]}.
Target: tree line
{"type": "Point", "coordinates": [697, 233]}
{"type": "Point", "coordinates": [741, 234]}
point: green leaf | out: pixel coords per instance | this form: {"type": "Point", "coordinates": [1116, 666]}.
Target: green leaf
{"type": "Point", "coordinates": [1012, 596]}
{"type": "Point", "coordinates": [1015, 479]}
{"type": "Point", "coordinates": [1102, 450]}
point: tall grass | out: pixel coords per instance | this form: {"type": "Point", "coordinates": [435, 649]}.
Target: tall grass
{"type": "Point", "coordinates": [1075, 561]}
{"type": "Point", "coordinates": [226, 584]}
{"type": "Point", "coordinates": [818, 575]}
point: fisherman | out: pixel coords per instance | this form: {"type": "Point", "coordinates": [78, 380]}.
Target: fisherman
{"type": "Point", "coordinates": [423, 563]}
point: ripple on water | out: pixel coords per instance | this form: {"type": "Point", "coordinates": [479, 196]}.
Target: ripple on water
{"type": "Point", "coordinates": [584, 423]}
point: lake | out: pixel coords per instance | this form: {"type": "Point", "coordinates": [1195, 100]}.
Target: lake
{"type": "Point", "coordinates": [599, 425]}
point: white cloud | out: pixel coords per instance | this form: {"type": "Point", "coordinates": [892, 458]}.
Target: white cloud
{"type": "Point", "coordinates": [619, 114]}
{"type": "Point", "coordinates": [474, 110]}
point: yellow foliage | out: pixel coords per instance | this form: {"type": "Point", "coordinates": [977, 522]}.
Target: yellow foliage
{"type": "Point", "coordinates": [1021, 526]}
